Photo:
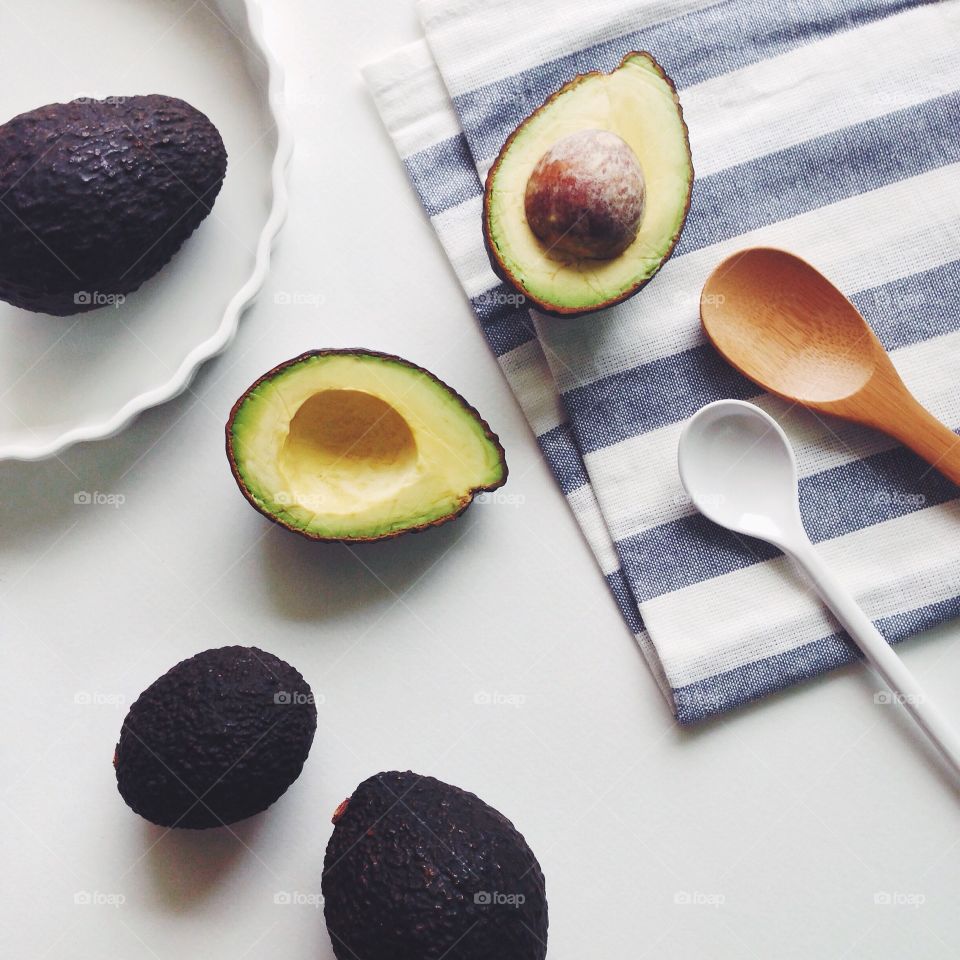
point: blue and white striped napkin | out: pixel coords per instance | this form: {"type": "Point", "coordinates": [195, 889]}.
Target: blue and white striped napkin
{"type": "Point", "coordinates": [828, 127]}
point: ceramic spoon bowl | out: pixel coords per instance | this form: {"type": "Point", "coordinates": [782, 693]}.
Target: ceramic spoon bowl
{"type": "Point", "coordinates": [739, 470]}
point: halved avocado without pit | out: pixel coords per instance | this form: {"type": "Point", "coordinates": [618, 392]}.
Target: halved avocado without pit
{"type": "Point", "coordinates": [354, 445]}
{"type": "Point", "coordinates": [588, 196]}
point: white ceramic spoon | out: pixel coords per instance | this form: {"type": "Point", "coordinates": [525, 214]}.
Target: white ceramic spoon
{"type": "Point", "coordinates": [739, 470]}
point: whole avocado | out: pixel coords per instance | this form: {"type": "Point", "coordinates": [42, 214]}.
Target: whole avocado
{"type": "Point", "coordinates": [96, 196]}
{"type": "Point", "coordinates": [216, 739]}
{"type": "Point", "coordinates": [417, 869]}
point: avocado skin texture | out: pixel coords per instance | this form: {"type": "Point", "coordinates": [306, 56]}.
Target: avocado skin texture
{"type": "Point", "coordinates": [407, 859]}
{"type": "Point", "coordinates": [216, 739]}
{"type": "Point", "coordinates": [96, 196]}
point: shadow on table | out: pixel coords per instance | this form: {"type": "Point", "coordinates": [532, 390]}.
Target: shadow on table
{"type": "Point", "coordinates": [186, 866]}
{"type": "Point", "coordinates": [892, 721]}
{"type": "Point", "coordinates": [322, 581]}
{"type": "Point", "coordinates": [39, 496]}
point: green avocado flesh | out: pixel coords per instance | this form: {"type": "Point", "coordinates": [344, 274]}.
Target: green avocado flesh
{"type": "Point", "coordinates": [638, 103]}
{"type": "Point", "coordinates": [356, 445]}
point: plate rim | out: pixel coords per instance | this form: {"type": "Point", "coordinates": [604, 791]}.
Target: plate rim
{"type": "Point", "coordinates": [241, 300]}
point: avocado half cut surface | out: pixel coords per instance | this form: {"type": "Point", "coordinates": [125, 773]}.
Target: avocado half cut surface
{"type": "Point", "coordinates": [568, 173]}
{"type": "Point", "coordinates": [417, 868]}
{"type": "Point", "coordinates": [355, 445]}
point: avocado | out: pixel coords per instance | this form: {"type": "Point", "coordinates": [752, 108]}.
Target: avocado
{"type": "Point", "coordinates": [216, 739]}
{"type": "Point", "coordinates": [588, 196]}
{"type": "Point", "coordinates": [354, 445]}
{"type": "Point", "coordinates": [419, 870]}
{"type": "Point", "coordinates": [98, 195]}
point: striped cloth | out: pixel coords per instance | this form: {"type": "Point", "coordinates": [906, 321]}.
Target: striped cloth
{"type": "Point", "coordinates": [826, 127]}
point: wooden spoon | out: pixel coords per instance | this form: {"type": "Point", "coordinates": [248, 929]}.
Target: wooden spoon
{"type": "Point", "coordinates": [781, 323]}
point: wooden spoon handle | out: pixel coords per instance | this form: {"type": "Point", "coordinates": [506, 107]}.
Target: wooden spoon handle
{"type": "Point", "coordinates": [922, 432]}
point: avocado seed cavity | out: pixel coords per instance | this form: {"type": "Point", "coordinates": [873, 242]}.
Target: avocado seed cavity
{"type": "Point", "coordinates": [346, 447]}
{"type": "Point", "coordinates": [586, 195]}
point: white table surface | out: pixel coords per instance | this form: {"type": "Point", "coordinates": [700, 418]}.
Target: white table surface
{"type": "Point", "coordinates": [814, 825]}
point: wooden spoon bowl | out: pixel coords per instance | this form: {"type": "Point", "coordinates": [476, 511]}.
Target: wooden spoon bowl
{"type": "Point", "coordinates": [781, 323]}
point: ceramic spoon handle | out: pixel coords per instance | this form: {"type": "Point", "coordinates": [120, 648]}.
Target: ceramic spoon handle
{"type": "Point", "coordinates": [891, 668]}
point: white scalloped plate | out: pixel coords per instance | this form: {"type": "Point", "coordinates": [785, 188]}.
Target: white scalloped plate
{"type": "Point", "coordinates": [68, 379]}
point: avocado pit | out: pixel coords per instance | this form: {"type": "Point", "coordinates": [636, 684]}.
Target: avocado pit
{"type": "Point", "coordinates": [586, 196]}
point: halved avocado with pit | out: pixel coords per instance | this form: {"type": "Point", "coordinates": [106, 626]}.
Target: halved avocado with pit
{"type": "Point", "coordinates": [567, 220]}
{"type": "Point", "coordinates": [355, 445]}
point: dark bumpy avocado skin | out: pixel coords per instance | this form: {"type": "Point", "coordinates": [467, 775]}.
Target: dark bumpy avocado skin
{"type": "Point", "coordinates": [419, 870]}
{"type": "Point", "coordinates": [216, 739]}
{"type": "Point", "coordinates": [97, 195]}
